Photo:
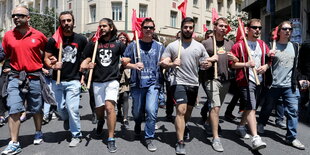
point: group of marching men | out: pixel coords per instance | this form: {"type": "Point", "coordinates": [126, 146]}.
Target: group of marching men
{"type": "Point", "coordinates": [255, 66]}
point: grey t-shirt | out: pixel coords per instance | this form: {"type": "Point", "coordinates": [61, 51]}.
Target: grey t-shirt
{"type": "Point", "coordinates": [256, 53]}
{"type": "Point", "coordinates": [191, 54]}
{"type": "Point", "coordinates": [282, 65]}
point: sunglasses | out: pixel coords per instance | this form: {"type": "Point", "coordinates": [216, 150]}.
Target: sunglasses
{"type": "Point", "coordinates": [149, 27]}
{"type": "Point", "coordinates": [286, 28]}
{"type": "Point", "coordinates": [256, 27]}
{"type": "Point", "coordinates": [18, 15]}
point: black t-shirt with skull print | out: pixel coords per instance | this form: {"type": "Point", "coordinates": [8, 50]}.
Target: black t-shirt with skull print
{"type": "Point", "coordinates": [107, 59]}
{"type": "Point", "coordinates": [72, 50]}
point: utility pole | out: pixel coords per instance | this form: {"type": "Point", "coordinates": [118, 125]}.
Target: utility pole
{"type": "Point", "coordinates": [126, 16]}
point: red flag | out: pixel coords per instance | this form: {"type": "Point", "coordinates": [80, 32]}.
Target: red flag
{"type": "Point", "coordinates": [136, 24]}
{"type": "Point", "coordinates": [215, 16]}
{"type": "Point", "coordinates": [182, 8]}
{"type": "Point", "coordinates": [97, 35]}
{"type": "Point", "coordinates": [275, 33]}
{"type": "Point", "coordinates": [205, 29]}
{"type": "Point", "coordinates": [239, 33]}
{"type": "Point", "coordinates": [58, 36]}
{"type": "Point", "coordinates": [228, 29]}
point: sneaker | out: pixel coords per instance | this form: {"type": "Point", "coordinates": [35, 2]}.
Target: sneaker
{"type": "Point", "coordinates": [45, 120]}
{"type": "Point", "coordinates": [296, 143]}
{"type": "Point", "coordinates": [137, 129]}
{"type": "Point", "coordinates": [180, 148]}
{"type": "Point", "coordinates": [281, 124]}
{"type": "Point", "coordinates": [54, 116]}
{"type": "Point", "coordinates": [186, 133]}
{"type": "Point", "coordinates": [12, 148]}
{"type": "Point", "coordinates": [217, 145]}
{"type": "Point", "coordinates": [150, 146]}
{"type": "Point", "coordinates": [126, 124]}
{"type": "Point", "coordinates": [111, 146]}
{"type": "Point", "coordinates": [230, 117]}
{"type": "Point", "coordinates": [75, 141]}
{"type": "Point", "coordinates": [94, 119]}
{"type": "Point", "coordinates": [66, 124]}
{"type": "Point", "coordinates": [156, 126]}
{"type": "Point", "coordinates": [257, 143]}
{"type": "Point", "coordinates": [2, 121]}
{"type": "Point", "coordinates": [208, 129]}
{"type": "Point", "coordinates": [99, 127]}
{"type": "Point", "coordinates": [38, 138]}
{"type": "Point", "coordinates": [241, 131]}
{"type": "Point", "coordinates": [260, 128]}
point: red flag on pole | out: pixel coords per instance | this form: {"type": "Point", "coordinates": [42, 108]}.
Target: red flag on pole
{"type": "Point", "coordinates": [136, 24]}
{"type": "Point", "coordinates": [215, 16]}
{"type": "Point", "coordinates": [239, 31]}
{"type": "Point", "coordinates": [97, 35]}
{"type": "Point", "coordinates": [205, 29]}
{"type": "Point", "coordinates": [275, 33]}
{"type": "Point", "coordinates": [182, 7]}
{"type": "Point", "coordinates": [58, 36]}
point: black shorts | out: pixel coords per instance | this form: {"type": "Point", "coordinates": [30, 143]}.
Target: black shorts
{"type": "Point", "coordinates": [185, 94]}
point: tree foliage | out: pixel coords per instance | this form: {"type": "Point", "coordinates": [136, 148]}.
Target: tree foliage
{"type": "Point", "coordinates": [233, 22]}
{"type": "Point", "coordinates": [43, 22]}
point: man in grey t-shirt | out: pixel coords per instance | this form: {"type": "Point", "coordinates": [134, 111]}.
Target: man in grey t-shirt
{"type": "Point", "coordinates": [184, 77]}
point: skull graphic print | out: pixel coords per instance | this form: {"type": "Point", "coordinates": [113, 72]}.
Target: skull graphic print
{"type": "Point", "coordinates": [69, 54]}
{"type": "Point", "coordinates": [105, 57]}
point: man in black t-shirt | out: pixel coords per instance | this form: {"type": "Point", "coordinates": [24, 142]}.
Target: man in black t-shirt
{"type": "Point", "coordinates": [67, 92]}
{"type": "Point", "coordinates": [105, 76]}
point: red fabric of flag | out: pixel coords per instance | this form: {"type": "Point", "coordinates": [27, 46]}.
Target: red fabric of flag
{"type": "Point", "coordinates": [97, 35]}
{"type": "Point", "coordinates": [215, 15]}
{"type": "Point", "coordinates": [58, 36]}
{"type": "Point", "coordinates": [275, 33]}
{"type": "Point", "coordinates": [239, 30]}
{"type": "Point", "coordinates": [205, 29]}
{"type": "Point", "coordinates": [136, 24]}
{"type": "Point", "coordinates": [182, 7]}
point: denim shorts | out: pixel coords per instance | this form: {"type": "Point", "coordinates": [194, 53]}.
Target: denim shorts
{"type": "Point", "coordinates": [16, 99]}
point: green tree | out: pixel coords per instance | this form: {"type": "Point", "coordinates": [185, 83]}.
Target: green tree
{"type": "Point", "coordinates": [43, 22]}
{"type": "Point", "coordinates": [233, 22]}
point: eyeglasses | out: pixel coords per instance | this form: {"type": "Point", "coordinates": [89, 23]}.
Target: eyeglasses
{"type": "Point", "coordinates": [149, 27]}
{"type": "Point", "coordinates": [186, 27]}
{"type": "Point", "coordinates": [256, 27]}
{"type": "Point", "coordinates": [18, 15]}
{"type": "Point", "coordinates": [286, 28]}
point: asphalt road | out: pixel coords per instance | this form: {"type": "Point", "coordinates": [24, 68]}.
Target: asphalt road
{"type": "Point", "coordinates": [56, 140]}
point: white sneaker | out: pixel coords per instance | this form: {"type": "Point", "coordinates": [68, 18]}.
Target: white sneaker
{"type": "Point", "coordinates": [260, 128]}
{"type": "Point", "coordinates": [241, 131]}
{"type": "Point", "coordinates": [257, 143]}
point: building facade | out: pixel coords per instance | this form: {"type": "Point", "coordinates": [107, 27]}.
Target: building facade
{"type": "Point", "coordinates": [164, 12]}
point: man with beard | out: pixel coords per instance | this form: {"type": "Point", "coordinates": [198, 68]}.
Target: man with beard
{"type": "Point", "coordinates": [67, 92]}
{"type": "Point", "coordinates": [245, 79]}
{"type": "Point", "coordinates": [145, 81]}
{"type": "Point", "coordinates": [184, 77]}
{"type": "Point", "coordinates": [106, 75]}
{"type": "Point", "coordinates": [217, 89]}
{"type": "Point", "coordinates": [23, 46]}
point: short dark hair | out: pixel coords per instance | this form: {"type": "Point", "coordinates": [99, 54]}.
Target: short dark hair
{"type": "Point", "coordinates": [147, 20]}
{"type": "Point", "coordinates": [66, 13]}
{"type": "Point", "coordinates": [111, 24]}
{"type": "Point", "coordinates": [252, 21]}
{"type": "Point", "coordinates": [187, 19]}
{"type": "Point", "coordinates": [221, 18]}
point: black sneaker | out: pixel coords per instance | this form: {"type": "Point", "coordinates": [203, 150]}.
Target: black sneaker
{"type": "Point", "coordinates": [180, 148]}
{"type": "Point", "coordinates": [186, 134]}
{"type": "Point", "coordinates": [126, 124]}
{"type": "Point", "coordinates": [137, 129]}
{"type": "Point", "coordinates": [94, 119]}
{"type": "Point", "coordinates": [150, 146]}
{"type": "Point", "coordinates": [66, 124]}
{"type": "Point", "coordinates": [111, 146]}
{"type": "Point", "coordinates": [99, 127]}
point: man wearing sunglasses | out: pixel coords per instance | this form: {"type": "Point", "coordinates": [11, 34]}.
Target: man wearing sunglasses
{"type": "Point", "coordinates": [245, 79]}
{"type": "Point", "coordinates": [283, 83]}
{"type": "Point", "coordinates": [184, 76]}
{"type": "Point", "coordinates": [146, 80]}
{"type": "Point", "coordinates": [23, 45]}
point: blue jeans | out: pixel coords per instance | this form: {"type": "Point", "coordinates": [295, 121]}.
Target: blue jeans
{"type": "Point", "coordinates": [145, 100]}
{"type": "Point", "coordinates": [279, 111]}
{"type": "Point", "coordinates": [67, 95]}
{"type": "Point", "coordinates": [47, 106]}
{"type": "Point", "coordinates": [290, 102]}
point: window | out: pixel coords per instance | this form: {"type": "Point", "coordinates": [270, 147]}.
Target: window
{"type": "Point", "coordinates": [220, 6]}
{"type": "Point", "coordinates": [92, 10]}
{"type": "Point", "coordinates": [196, 23]}
{"type": "Point", "coordinates": [208, 23]}
{"type": "Point", "coordinates": [173, 19]}
{"type": "Point", "coordinates": [70, 6]}
{"type": "Point", "coordinates": [116, 11]}
{"type": "Point", "coordinates": [143, 11]}
{"type": "Point", "coordinates": [195, 2]}
{"type": "Point", "coordinates": [208, 4]}
{"type": "Point", "coordinates": [238, 7]}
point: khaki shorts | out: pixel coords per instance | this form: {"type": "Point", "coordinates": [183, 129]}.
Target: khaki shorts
{"type": "Point", "coordinates": [216, 91]}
